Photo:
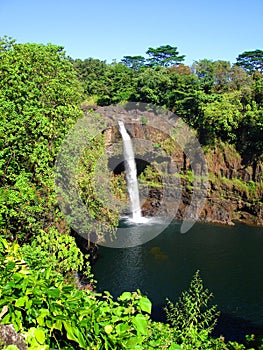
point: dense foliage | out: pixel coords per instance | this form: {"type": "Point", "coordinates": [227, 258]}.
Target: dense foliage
{"type": "Point", "coordinates": [52, 313]}
{"type": "Point", "coordinates": [221, 101]}
{"type": "Point", "coordinates": [40, 93]}
{"type": "Point", "coordinates": [39, 97]}
{"type": "Point", "coordinates": [251, 61]}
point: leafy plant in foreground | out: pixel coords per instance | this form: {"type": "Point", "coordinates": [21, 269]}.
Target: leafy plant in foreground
{"type": "Point", "coordinates": [52, 313]}
{"type": "Point", "coordinates": [193, 319]}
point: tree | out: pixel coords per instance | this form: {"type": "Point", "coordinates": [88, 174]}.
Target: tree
{"type": "Point", "coordinates": [119, 84]}
{"type": "Point", "coordinates": [181, 69]}
{"type": "Point", "coordinates": [39, 98]}
{"type": "Point", "coordinates": [251, 61]}
{"type": "Point", "coordinates": [240, 79]}
{"type": "Point", "coordinates": [133, 62]}
{"type": "Point", "coordinates": [164, 55]}
{"type": "Point", "coordinates": [91, 72]}
{"type": "Point", "coordinates": [250, 143]}
{"type": "Point", "coordinates": [221, 117]}
{"type": "Point", "coordinates": [258, 88]}
{"type": "Point", "coordinates": [181, 96]}
{"type": "Point", "coordinates": [152, 85]}
{"type": "Point", "coordinates": [220, 77]}
{"type": "Point", "coordinates": [205, 70]}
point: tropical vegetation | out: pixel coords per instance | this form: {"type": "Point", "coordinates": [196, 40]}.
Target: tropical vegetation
{"type": "Point", "coordinates": [42, 91]}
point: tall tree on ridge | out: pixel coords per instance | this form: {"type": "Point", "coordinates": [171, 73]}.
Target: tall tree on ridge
{"type": "Point", "coordinates": [164, 55]}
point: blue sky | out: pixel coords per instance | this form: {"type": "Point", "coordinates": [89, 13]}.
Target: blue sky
{"type": "Point", "coordinates": [212, 29]}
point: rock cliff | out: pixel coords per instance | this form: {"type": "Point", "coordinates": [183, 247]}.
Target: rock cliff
{"type": "Point", "coordinates": [234, 189]}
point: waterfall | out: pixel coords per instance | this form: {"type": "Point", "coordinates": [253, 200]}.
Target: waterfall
{"type": "Point", "coordinates": [131, 174]}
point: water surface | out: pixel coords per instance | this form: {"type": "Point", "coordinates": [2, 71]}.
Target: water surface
{"type": "Point", "coordinates": [230, 260]}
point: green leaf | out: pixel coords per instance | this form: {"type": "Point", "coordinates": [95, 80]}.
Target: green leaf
{"type": "Point", "coordinates": [132, 343]}
{"type": "Point", "coordinates": [58, 325]}
{"type": "Point", "coordinates": [175, 347]}
{"type": "Point", "coordinates": [145, 305]}
{"type": "Point", "coordinates": [96, 328]}
{"type": "Point", "coordinates": [108, 328]}
{"type": "Point", "coordinates": [54, 292]}
{"type": "Point", "coordinates": [122, 328]}
{"type": "Point", "coordinates": [40, 335]}
{"type": "Point", "coordinates": [140, 323]}
{"type": "Point", "coordinates": [73, 333]}
{"type": "Point", "coordinates": [10, 266]}
{"type": "Point", "coordinates": [125, 296]}
{"type": "Point", "coordinates": [21, 301]}
{"type": "Point", "coordinates": [41, 317]}
{"type": "Point", "coordinates": [70, 331]}
{"type": "Point", "coordinates": [49, 323]}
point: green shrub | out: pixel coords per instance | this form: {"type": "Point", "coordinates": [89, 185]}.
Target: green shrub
{"type": "Point", "coordinates": [52, 313]}
{"type": "Point", "coordinates": [55, 250]}
{"type": "Point", "coordinates": [193, 319]}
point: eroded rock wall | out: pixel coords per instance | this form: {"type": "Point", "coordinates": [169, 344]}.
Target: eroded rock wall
{"type": "Point", "coordinates": [234, 190]}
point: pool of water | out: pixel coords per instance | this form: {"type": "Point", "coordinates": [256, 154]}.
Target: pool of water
{"type": "Point", "coordinates": [230, 260]}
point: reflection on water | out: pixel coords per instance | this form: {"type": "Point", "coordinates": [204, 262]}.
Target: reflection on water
{"type": "Point", "coordinates": [230, 260]}
{"type": "Point", "coordinates": [132, 233]}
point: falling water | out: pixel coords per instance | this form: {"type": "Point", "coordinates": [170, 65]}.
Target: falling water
{"type": "Point", "coordinates": [131, 174]}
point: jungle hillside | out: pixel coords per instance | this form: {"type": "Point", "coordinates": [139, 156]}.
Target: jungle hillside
{"type": "Point", "coordinates": [43, 93]}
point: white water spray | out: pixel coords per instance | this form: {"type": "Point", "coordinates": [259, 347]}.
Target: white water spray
{"type": "Point", "coordinates": [131, 174]}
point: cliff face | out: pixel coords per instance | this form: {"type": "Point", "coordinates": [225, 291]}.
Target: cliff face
{"type": "Point", "coordinates": [234, 193]}
{"type": "Point", "coordinates": [226, 203]}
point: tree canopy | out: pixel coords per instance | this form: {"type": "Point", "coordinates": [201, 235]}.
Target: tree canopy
{"type": "Point", "coordinates": [214, 97]}
{"type": "Point", "coordinates": [133, 62]}
{"type": "Point", "coordinates": [251, 61]}
{"type": "Point", "coordinates": [165, 55]}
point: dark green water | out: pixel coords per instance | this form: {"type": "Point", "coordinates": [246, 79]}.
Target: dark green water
{"type": "Point", "coordinates": [230, 260]}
